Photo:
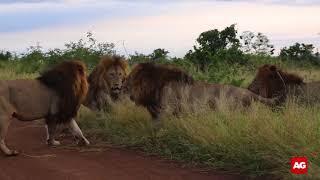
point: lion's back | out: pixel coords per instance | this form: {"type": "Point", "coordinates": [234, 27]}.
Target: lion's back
{"type": "Point", "coordinates": [30, 96]}
{"type": "Point", "coordinates": [310, 91]}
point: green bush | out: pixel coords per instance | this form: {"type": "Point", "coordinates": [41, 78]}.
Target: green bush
{"type": "Point", "coordinates": [35, 59]}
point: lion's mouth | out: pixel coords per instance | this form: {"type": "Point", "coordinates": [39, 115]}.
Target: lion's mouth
{"type": "Point", "coordinates": [116, 90]}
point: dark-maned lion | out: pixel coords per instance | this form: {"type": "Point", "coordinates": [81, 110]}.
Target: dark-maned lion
{"type": "Point", "coordinates": [55, 96]}
{"type": "Point", "coordinates": [106, 82]}
{"type": "Point", "coordinates": [270, 82]}
{"type": "Point", "coordinates": [157, 86]}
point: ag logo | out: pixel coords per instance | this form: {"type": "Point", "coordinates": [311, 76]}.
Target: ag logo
{"type": "Point", "coordinates": [299, 165]}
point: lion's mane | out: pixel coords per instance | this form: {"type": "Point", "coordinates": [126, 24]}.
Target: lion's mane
{"type": "Point", "coordinates": [68, 80]}
{"type": "Point", "coordinates": [147, 81]}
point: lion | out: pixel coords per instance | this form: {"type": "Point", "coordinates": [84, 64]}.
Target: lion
{"type": "Point", "coordinates": [270, 81]}
{"type": "Point", "coordinates": [55, 96]}
{"type": "Point", "coordinates": [156, 87]}
{"type": "Point", "coordinates": [106, 81]}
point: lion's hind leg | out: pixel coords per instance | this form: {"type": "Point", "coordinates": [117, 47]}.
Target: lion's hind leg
{"type": "Point", "coordinates": [6, 111]}
{"type": "Point", "coordinates": [4, 125]}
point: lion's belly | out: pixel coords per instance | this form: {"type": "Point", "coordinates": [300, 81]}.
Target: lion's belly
{"type": "Point", "coordinates": [30, 97]}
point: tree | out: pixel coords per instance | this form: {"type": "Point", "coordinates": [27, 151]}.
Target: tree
{"type": "Point", "coordinates": [88, 49]}
{"type": "Point", "coordinates": [257, 44]}
{"type": "Point", "coordinates": [317, 54]}
{"type": "Point", "coordinates": [262, 46]}
{"type": "Point", "coordinates": [159, 54]}
{"type": "Point", "coordinates": [5, 55]}
{"type": "Point", "coordinates": [298, 52]}
{"type": "Point", "coordinates": [247, 41]}
{"type": "Point", "coordinates": [215, 40]}
{"type": "Point", "coordinates": [138, 58]}
{"type": "Point", "coordinates": [214, 45]}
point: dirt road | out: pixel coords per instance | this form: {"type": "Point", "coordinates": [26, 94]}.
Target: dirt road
{"type": "Point", "coordinates": [39, 162]}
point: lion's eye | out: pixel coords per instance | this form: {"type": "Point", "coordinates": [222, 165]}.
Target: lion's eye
{"type": "Point", "coordinates": [81, 70]}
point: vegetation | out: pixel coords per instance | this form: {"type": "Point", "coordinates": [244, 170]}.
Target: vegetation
{"type": "Point", "coordinates": [216, 46]}
{"type": "Point", "coordinates": [300, 52]}
{"type": "Point", "coordinates": [256, 142]}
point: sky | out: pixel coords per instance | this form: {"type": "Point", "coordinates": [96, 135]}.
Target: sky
{"type": "Point", "coordinates": [144, 25]}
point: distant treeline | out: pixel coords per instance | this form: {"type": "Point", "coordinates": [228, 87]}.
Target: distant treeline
{"type": "Point", "coordinates": [215, 57]}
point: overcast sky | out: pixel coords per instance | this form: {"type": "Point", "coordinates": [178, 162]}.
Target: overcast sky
{"type": "Point", "coordinates": [145, 25]}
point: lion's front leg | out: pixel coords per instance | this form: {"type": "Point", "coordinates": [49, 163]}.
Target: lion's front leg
{"type": "Point", "coordinates": [156, 113]}
{"type": "Point", "coordinates": [76, 131]}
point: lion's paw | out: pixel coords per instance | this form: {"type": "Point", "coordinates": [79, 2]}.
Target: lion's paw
{"type": "Point", "coordinates": [13, 153]}
{"type": "Point", "coordinates": [53, 143]}
{"type": "Point", "coordinates": [83, 142]}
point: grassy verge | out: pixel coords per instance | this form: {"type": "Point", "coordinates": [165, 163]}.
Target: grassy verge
{"type": "Point", "coordinates": [254, 142]}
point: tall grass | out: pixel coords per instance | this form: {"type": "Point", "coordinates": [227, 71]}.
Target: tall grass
{"type": "Point", "coordinates": [255, 142]}
{"type": "Point", "coordinates": [10, 72]}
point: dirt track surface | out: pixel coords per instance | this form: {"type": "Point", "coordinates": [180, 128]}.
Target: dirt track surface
{"type": "Point", "coordinates": [37, 161]}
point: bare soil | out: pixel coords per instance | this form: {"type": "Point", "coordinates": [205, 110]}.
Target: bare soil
{"type": "Point", "coordinates": [37, 161]}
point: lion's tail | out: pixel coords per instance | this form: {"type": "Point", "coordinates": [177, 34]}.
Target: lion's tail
{"type": "Point", "coordinates": [24, 117]}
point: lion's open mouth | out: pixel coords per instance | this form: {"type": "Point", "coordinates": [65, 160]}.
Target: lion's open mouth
{"type": "Point", "coordinates": [116, 90]}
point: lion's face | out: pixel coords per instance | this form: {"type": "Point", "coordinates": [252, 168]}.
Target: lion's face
{"type": "Point", "coordinates": [269, 82]}
{"type": "Point", "coordinates": [115, 76]}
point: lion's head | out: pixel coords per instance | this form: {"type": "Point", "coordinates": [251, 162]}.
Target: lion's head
{"type": "Point", "coordinates": [69, 80]}
{"type": "Point", "coordinates": [146, 81]}
{"type": "Point", "coordinates": [107, 79]}
{"type": "Point", "coordinates": [270, 82]}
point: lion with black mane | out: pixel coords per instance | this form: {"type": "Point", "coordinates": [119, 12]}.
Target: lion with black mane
{"type": "Point", "coordinates": [106, 81]}
{"type": "Point", "coordinates": [157, 87]}
{"type": "Point", "coordinates": [54, 96]}
{"type": "Point", "coordinates": [270, 81]}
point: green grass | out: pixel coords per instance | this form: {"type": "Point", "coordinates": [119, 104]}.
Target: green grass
{"type": "Point", "coordinates": [9, 72]}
